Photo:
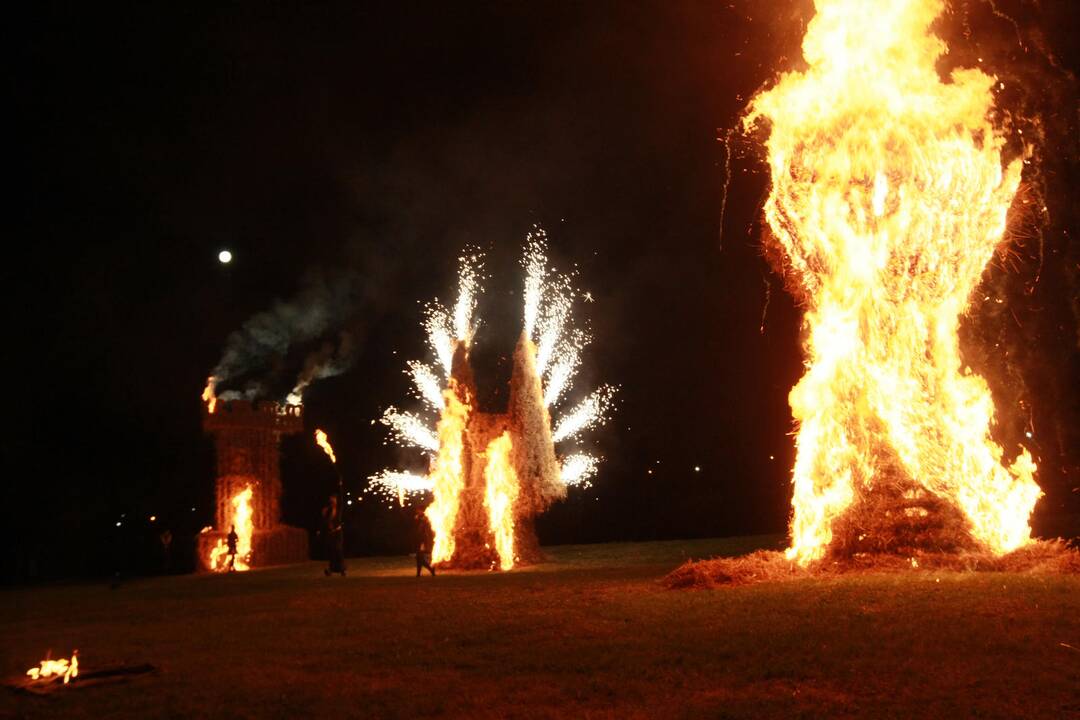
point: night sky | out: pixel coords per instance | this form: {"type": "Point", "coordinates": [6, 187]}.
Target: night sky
{"type": "Point", "coordinates": [367, 145]}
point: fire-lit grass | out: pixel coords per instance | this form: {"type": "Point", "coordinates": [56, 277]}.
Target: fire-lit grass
{"type": "Point", "coordinates": [591, 633]}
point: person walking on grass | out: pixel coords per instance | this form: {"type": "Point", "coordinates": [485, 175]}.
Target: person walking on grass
{"type": "Point", "coordinates": [335, 537]}
{"type": "Point", "coordinates": [230, 542]}
{"type": "Point", "coordinates": [425, 538]}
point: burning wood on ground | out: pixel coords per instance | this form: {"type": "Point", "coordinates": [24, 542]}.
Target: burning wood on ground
{"type": "Point", "coordinates": [891, 191]}
{"type": "Point", "coordinates": [491, 474]}
{"type": "Point", "coordinates": [63, 674]}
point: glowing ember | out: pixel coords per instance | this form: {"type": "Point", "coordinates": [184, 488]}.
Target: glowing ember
{"type": "Point", "coordinates": [888, 199]}
{"type": "Point", "coordinates": [324, 443]}
{"type": "Point", "coordinates": [242, 522]}
{"type": "Point", "coordinates": [208, 394]}
{"type": "Point", "coordinates": [68, 669]}
{"type": "Point", "coordinates": [499, 497]}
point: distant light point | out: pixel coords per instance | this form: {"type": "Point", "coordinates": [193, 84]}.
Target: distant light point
{"type": "Point", "coordinates": [224, 257]}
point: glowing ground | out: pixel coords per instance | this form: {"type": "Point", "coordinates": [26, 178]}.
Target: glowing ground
{"type": "Point", "coordinates": [590, 634]}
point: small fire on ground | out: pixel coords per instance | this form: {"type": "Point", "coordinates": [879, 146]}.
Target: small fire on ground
{"type": "Point", "coordinates": [67, 669]}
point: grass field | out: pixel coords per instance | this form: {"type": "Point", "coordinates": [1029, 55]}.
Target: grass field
{"type": "Point", "coordinates": [589, 634]}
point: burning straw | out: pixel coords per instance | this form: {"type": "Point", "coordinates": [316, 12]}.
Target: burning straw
{"type": "Point", "coordinates": [891, 189]}
{"type": "Point", "coordinates": [1044, 557]}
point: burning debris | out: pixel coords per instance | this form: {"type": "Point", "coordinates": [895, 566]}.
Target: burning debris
{"type": "Point", "coordinates": [490, 474]}
{"type": "Point", "coordinates": [60, 675]}
{"type": "Point", "coordinates": [889, 196]}
{"type": "Point", "coordinates": [56, 669]}
{"type": "Point", "coordinates": [247, 437]}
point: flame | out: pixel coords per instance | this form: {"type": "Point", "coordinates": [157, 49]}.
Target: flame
{"type": "Point", "coordinates": [447, 474]}
{"type": "Point", "coordinates": [242, 521]}
{"type": "Point", "coordinates": [888, 199]}
{"type": "Point", "coordinates": [500, 493]}
{"type": "Point", "coordinates": [209, 395]}
{"type": "Point", "coordinates": [69, 669]}
{"type": "Point", "coordinates": [320, 439]}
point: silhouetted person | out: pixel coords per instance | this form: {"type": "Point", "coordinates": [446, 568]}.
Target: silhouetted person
{"type": "Point", "coordinates": [230, 541]}
{"type": "Point", "coordinates": [335, 537]}
{"type": "Point", "coordinates": [165, 538]}
{"type": "Point", "coordinates": [425, 538]}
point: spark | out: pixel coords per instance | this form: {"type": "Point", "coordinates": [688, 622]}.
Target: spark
{"type": "Point", "coordinates": [398, 482]}
{"type": "Point", "coordinates": [444, 329]}
{"type": "Point", "coordinates": [588, 413]}
{"type": "Point", "coordinates": [224, 257]}
{"type": "Point", "coordinates": [565, 366]}
{"type": "Point", "coordinates": [578, 468]}
{"type": "Point", "coordinates": [535, 263]}
{"type": "Point", "coordinates": [428, 385]}
{"type": "Point", "coordinates": [410, 430]}
{"type": "Point", "coordinates": [439, 335]}
{"type": "Point", "coordinates": [558, 299]}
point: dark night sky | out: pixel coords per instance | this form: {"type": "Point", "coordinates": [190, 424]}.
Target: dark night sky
{"type": "Point", "coordinates": [379, 140]}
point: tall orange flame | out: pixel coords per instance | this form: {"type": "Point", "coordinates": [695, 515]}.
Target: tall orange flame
{"type": "Point", "coordinates": [447, 474]}
{"type": "Point", "coordinates": [324, 443]}
{"type": "Point", "coordinates": [208, 394]}
{"type": "Point", "coordinates": [500, 493]}
{"type": "Point", "coordinates": [888, 198]}
{"type": "Point", "coordinates": [245, 528]}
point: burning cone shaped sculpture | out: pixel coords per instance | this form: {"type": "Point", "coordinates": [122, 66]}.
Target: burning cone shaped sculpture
{"type": "Point", "coordinates": [491, 474]}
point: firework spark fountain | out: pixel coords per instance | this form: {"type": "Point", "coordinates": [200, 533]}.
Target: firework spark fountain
{"type": "Point", "coordinates": [490, 474]}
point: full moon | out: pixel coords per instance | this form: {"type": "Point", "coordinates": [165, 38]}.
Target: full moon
{"type": "Point", "coordinates": [225, 257]}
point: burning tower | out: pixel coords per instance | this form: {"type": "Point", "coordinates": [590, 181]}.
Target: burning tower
{"type": "Point", "coordinates": [247, 437]}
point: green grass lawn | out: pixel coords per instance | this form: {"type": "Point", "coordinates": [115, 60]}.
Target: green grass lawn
{"type": "Point", "coordinates": [589, 634]}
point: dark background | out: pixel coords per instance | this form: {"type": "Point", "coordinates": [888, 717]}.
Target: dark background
{"type": "Point", "coordinates": [375, 141]}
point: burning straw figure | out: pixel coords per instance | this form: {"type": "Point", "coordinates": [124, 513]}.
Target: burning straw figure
{"type": "Point", "coordinates": [490, 474]}
{"type": "Point", "coordinates": [890, 193]}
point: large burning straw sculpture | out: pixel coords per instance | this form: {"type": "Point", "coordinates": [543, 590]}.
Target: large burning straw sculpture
{"type": "Point", "coordinates": [490, 474]}
{"type": "Point", "coordinates": [890, 195]}
{"type": "Point", "coordinates": [247, 437]}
